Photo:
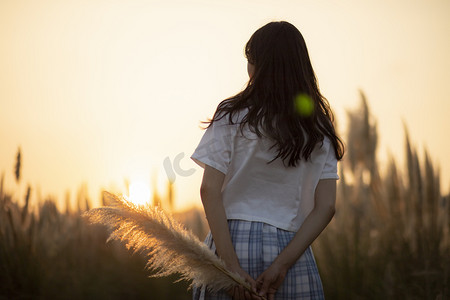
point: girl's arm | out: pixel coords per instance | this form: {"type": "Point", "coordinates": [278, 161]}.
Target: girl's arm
{"type": "Point", "coordinates": [314, 224]}
{"type": "Point", "coordinates": [211, 194]}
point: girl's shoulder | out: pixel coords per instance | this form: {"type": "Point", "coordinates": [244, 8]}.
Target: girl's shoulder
{"type": "Point", "coordinates": [230, 118]}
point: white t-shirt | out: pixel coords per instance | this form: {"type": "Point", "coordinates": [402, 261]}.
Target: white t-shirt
{"type": "Point", "coordinates": [254, 190]}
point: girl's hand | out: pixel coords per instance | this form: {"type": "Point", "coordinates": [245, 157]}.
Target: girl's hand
{"type": "Point", "coordinates": [239, 292]}
{"type": "Point", "coordinates": [270, 280]}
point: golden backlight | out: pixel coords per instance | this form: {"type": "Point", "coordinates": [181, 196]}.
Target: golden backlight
{"type": "Point", "coordinates": [140, 193]}
{"type": "Point", "coordinates": [96, 91]}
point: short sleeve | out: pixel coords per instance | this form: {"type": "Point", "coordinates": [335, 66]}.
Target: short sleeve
{"type": "Point", "coordinates": [215, 147]}
{"type": "Point", "coordinates": [330, 167]}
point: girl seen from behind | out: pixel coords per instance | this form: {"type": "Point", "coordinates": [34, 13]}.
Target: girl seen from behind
{"type": "Point", "coordinates": [270, 168]}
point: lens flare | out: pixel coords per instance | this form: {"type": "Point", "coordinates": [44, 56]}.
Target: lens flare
{"type": "Point", "coordinates": [304, 105]}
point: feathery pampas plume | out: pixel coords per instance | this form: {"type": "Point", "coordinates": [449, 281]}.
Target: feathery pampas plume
{"type": "Point", "coordinates": [170, 248]}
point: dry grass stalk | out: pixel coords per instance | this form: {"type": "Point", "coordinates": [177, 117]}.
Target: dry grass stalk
{"type": "Point", "coordinates": [389, 238]}
{"type": "Point", "coordinates": [171, 249]}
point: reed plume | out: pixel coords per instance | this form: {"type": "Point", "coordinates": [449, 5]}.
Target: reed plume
{"type": "Point", "coordinates": [170, 248]}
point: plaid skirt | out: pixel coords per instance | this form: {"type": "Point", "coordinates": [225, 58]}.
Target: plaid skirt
{"type": "Point", "coordinates": [257, 244]}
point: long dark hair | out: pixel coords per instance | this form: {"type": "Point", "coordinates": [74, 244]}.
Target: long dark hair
{"type": "Point", "coordinates": [282, 97]}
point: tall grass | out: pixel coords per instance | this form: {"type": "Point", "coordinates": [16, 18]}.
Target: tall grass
{"type": "Point", "coordinates": [390, 238]}
{"type": "Point", "coordinates": [49, 254]}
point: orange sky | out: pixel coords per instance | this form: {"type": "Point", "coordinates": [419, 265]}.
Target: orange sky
{"type": "Point", "coordinates": [98, 91]}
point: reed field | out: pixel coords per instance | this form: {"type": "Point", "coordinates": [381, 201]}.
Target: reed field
{"type": "Point", "coordinates": [389, 239]}
{"type": "Point", "coordinates": [50, 254]}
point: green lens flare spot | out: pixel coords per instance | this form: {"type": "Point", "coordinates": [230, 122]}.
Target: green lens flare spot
{"type": "Point", "coordinates": [304, 105]}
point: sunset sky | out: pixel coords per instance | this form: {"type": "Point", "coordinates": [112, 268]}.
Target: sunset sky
{"type": "Point", "coordinates": [101, 91]}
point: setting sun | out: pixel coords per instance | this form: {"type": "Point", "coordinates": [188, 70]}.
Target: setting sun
{"type": "Point", "coordinates": [108, 100]}
{"type": "Point", "coordinates": [139, 193]}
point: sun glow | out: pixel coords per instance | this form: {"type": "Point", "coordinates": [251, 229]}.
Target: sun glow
{"type": "Point", "coordinates": [139, 193]}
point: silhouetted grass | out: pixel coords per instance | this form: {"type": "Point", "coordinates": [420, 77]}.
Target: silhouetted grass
{"type": "Point", "coordinates": [390, 238]}
{"type": "Point", "coordinates": [54, 255]}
